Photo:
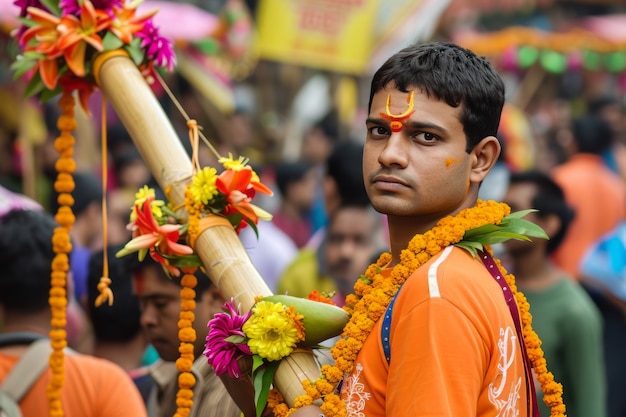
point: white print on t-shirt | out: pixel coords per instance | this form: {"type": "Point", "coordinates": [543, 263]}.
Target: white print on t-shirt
{"type": "Point", "coordinates": [506, 402]}
{"type": "Point", "coordinates": [356, 396]}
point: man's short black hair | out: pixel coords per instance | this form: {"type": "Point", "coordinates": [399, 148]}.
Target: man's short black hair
{"type": "Point", "coordinates": [26, 256]}
{"type": "Point", "coordinates": [549, 200]}
{"type": "Point", "coordinates": [452, 74]}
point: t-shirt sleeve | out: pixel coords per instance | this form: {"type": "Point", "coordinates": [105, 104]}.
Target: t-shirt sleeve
{"type": "Point", "coordinates": [119, 396]}
{"type": "Point", "coordinates": [437, 362]}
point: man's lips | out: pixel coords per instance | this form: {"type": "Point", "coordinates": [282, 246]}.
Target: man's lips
{"type": "Point", "coordinates": [388, 182]}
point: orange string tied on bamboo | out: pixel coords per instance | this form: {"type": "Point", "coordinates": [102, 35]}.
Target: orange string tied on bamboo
{"type": "Point", "coordinates": [62, 246]}
{"type": "Point", "coordinates": [187, 337]}
{"type": "Point", "coordinates": [104, 290]}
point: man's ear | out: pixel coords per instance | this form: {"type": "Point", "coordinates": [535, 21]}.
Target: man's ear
{"type": "Point", "coordinates": [484, 156]}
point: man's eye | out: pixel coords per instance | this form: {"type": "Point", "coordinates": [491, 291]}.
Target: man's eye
{"type": "Point", "coordinates": [426, 137]}
{"type": "Point", "coordinates": [378, 131]}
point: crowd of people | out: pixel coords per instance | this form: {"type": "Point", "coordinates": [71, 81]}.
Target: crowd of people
{"type": "Point", "coordinates": [435, 145]}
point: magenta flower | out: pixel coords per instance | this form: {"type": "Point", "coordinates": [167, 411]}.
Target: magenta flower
{"type": "Point", "coordinates": [158, 48]}
{"type": "Point", "coordinates": [73, 6]}
{"type": "Point", "coordinates": [226, 341]}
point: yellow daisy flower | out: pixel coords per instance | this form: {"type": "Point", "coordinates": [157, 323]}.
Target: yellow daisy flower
{"type": "Point", "coordinates": [203, 187]}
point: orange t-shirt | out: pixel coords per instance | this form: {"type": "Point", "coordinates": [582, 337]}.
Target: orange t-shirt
{"type": "Point", "coordinates": [454, 349]}
{"type": "Point", "coordinates": [93, 388]}
{"type": "Point", "coordinates": [598, 197]}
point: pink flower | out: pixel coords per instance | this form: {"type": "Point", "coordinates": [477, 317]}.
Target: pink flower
{"type": "Point", "coordinates": [158, 48]}
{"type": "Point", "coordinates": [226, 341]}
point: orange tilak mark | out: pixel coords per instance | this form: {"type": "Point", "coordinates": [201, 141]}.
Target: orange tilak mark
{"type": "Point", "coordinates": [451, 161]}
{"type": "Point", "coordinates": [397, 119]}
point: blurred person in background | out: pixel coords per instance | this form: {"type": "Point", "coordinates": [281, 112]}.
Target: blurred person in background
{"type": "Point", "coordinates": [353, 238]}
{"type": "Point", "coordinates": [160, 301]}
{"type": "Point", "coordinates": [597, 194]}
{"type": "Point", "coordinates": [564, 316]}
{"type": "Point", "coordinates": [118, 335]}
{"type": "Point", "coordinates": [296, 184]}
{"type": "Point", "coordinates": [92, 387]}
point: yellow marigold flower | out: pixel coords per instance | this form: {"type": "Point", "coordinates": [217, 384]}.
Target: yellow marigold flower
{"type": "Point", "coordinates": [202, 187]}
{"type": "Point", "coordinates": [271, 330]}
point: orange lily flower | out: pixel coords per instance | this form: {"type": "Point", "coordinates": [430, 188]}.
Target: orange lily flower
{"type": "Point", "coordinates": [239, 190]}
{"type": "Point", "coordinates": [77, 34]}
{"type": "Point", "coordinates": [125, 24]}
{"type": "Point", "coordinates": [148, 235]}
{"type": "Point", "coordinates": [45, 31]}
{"type": "Point", "coordinates": [47, 35]}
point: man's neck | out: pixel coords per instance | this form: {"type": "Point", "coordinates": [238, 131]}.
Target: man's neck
{"type": "Point", "coordinates": [126, 354]}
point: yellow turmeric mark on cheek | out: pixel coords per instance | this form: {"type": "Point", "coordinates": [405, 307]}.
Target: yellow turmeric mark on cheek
{"type": "Point", "coordinates": [451, 161]}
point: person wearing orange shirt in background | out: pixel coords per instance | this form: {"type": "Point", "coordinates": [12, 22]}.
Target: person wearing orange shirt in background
{"type": "Point", "coordinates": [597, 194]}
{"type": "Point", "coordinates": [92, 387]}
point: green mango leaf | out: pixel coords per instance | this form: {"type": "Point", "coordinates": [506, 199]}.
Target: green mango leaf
{"type": "Point", "coordinates": [471, 247]}
{"type": "Point", "coordinates": [519, 214]}
{"type": "Point", "coordinates": [481, 230]}
{"type": "Point", "coordinates": [111, 41]}
{"type": "Point", "coordinates": [525, 227]}
{"type": "Point", "coordinates": [500, 237]}
{"type": "Point", "coordinates": [257, 362]}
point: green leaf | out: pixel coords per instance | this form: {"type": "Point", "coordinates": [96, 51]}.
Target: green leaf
{"type": "Point", "coordinates": [470, 246]}
{"type": "Point", "coordinates": [53, 6]}
{"type": "Point", "coordinates": [182, 261]}
{"type": "Point", "coordinates": [519, 214]}
{"type": "Point", "coordinates": [500, 237]}
{"type": "Point", "coordinates": [21, 65]}
{"type": "Point", "coordinates": [257, 362]}
{"type": "Point", "coordinates": [29, 23]}
{"type": "Point", "coordinates": [262, 383]}
{"type": "Point", "coordinates": [486, 228]}
{"type": "Point", "coordinates": [34, 86]}
{"type": "Point", "coordinates": [235, 339]}
{"type": "Point", "coordinates": [47, 95]}
{"type": "Point", "coordinates": [525, 227]}
{"type": "Point", "coordinates": [111, 41]}
{"type": "Point", "coordinates": [135, 51]}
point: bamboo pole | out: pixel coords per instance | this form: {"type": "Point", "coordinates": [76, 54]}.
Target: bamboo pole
{"type": "Point", "coordinates": [225, 259]}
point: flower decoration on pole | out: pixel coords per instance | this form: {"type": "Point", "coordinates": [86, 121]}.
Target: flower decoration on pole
{"type": "Point", "coordinates": [276, 326]}
{"type": "Point", "coordinates": [59, 40]}
{"type": "Point", "coordinates": [159, 231]}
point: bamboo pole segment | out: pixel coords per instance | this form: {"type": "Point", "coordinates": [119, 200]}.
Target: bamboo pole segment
{"type": "Point", "coordinates": [226, 261]}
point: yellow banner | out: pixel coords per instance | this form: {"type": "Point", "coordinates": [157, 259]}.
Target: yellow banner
{"type": "Point", "coordinates": [335, 35]}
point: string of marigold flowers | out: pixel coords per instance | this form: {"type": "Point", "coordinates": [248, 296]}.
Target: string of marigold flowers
{"type": "Point", "coordinates": [373, 293]}
{"type": "Point", "coordinates": [187, 337]}
{"type": "Point", "coordinates": [62, 246]}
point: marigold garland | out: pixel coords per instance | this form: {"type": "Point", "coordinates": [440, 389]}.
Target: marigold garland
{"type": "Point", "coordinates": [373, 293]}
{"type": "Point", "coordinates": [187, 337]}
{"type": "Point", "coordinates": [62, 246]}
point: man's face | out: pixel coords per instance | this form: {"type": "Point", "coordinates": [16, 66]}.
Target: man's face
{"type": "Point", "coordinates": [350, 246]}
{"type": "Point", "coordinates": [160, 307]}
{"type": "Point", "coordinates": [421, 169]}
